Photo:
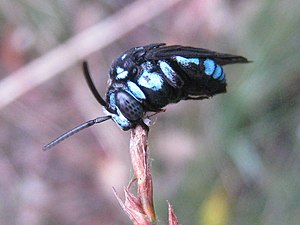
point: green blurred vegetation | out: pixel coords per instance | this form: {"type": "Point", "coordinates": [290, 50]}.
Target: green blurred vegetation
{"type": "Point", "coordinates": [255, 129]}
{"type": "Point", "coordinates": [236, 156]}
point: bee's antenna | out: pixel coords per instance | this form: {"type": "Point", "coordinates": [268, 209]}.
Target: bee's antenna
{"type": "Point", "coordinates": [75, 130]}
{"type": "Point", "coordinates": [92, 87]}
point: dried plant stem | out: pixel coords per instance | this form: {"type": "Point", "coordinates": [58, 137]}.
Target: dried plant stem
{"type": "Point", "coordinates": [140, 208]}
{"type": "Point", "coordinates": [139, 153]}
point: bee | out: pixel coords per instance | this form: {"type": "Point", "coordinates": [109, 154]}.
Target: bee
{"type": "Point", "coordinates": [147, 78]}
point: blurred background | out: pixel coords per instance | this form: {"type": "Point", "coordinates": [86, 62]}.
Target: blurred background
{"type": "Point", "coordinates": [233, 159]}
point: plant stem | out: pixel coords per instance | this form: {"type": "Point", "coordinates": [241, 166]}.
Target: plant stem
{"type": "Point", "coordinates": [139, 153]}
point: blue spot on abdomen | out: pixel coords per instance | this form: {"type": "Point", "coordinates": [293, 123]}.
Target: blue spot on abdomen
{"type": "Point", "coordinates": [209, 66]}
{"type": "Point", "coordinates": [167, 70]}
{"type": "Point", "coordinates": [186, 61]}
{"type": "Point", "coordinates": [172, 77]}
{"type": "Point", "coordinates": [218, 72]}
{"type": "Point", "coordinates": [222, 77]}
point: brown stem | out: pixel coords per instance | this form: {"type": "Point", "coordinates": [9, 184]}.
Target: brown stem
{"type": "Point", "coordinates": [139, 153]}
{"type": "Point", "coordinates": [140, 208]}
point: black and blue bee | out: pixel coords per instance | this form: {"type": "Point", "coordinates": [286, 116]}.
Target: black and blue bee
{"type": "Point", "coordinates": [146, 79]}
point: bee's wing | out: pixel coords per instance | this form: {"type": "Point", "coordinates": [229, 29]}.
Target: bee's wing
{"type": "Point", "coordinates": [167, 52]}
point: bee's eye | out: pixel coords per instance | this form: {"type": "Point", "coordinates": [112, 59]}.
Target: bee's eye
{"type": "Point", "coordinates": [129, 106]}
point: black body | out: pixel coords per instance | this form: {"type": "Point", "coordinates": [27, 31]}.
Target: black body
{"type": "Point", "coordinates": [146, 79]}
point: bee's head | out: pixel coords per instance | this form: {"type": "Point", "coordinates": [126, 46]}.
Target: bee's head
{"type": "Point", "coordinates": [127, 110]}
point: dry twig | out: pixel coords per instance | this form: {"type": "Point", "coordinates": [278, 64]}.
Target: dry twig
{"type": "Point", "coordinates": [140, 209]}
